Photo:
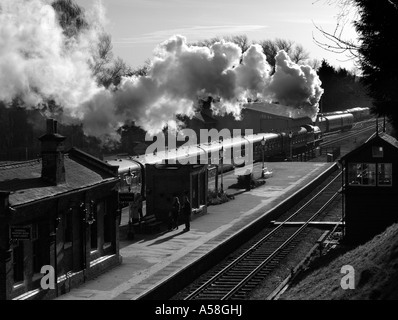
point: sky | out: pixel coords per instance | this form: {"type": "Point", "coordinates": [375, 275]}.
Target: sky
{"type": "Point", "coordinates": [138, 26]}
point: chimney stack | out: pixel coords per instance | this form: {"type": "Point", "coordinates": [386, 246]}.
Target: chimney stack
{"type": "Point", "coordinates": [4, 202]}
{"type": "Point", "coordinates": [52, 154]}
{"type": "Point", "coordinates": [51, 126]}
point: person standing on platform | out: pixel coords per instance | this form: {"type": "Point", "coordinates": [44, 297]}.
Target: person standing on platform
{"type": "Point", "coordinates": [175, 212]}
{"type": "Point", "coordinates": [134, 211]}
{"type": "Point", "coordinates": [132, 219]}
{"type": "Point", "coordinates": [134, 207]}
{"type": "Point", "coordinates": [186, 210]}
{"type": "Point", "coordinates": [139, 206]}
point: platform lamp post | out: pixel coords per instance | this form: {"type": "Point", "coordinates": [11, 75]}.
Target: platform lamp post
{"type": "Point", "coordinates": [129, 179]}
{"type": "Point", "coordinates": [262, 167]}
{"type": "Point", "coordinates": [53, 236]}
{"type": "Point", "coordinates": [290, 145]}
{"type": "Point", "coordinates": [221, 153]}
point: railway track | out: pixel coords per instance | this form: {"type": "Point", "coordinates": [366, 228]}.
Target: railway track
{"type": "Point", "coordinates": [356, 126]}
{"type": "Point", "coordinates": [347, 136]}
{"type": "Point", "coordinates": [240, 276]}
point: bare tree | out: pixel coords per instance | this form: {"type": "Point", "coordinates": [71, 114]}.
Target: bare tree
{"type": "Point", "coordinates": [335, 40]}
{"type": "Point", "coordinates": [295, 51]}
{"type": "Point", "coordinates": [241, 40]}
{"type": "Point", "coordinates": [314, 63]}
{"type": "Point", "coordinates": [286, 45]}
{"type": "Point", "coordinates": [112, 73]}
{"type": "Point", "coordinates": [105, 68]}
{"type": "Point", "coordinates": [374, 52]}
{"type": "Point", "coordinates": [141, 71]}
{"type": "Point", "coordinates": [103, 53]}
{"type": "Point", "coordinates": [70, 16]}
{"type": "Point", "coordinates": [270, 49]}
{"type": "Point", "coordinates": [298, 54]}
{"type": "Point", "coordinates": [206, 42]}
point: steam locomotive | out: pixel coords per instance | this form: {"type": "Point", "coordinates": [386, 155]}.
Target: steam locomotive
{"type": "Point", "coordinates": [281, 145]}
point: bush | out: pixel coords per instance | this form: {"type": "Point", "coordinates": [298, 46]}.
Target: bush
{"type": "Point", "coordinates": [247, 182]}
{"type": "Point", "coordinates": [215, 197]}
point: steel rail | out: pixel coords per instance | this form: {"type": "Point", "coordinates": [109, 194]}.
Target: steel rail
{"type": "Point", "coordinates": [282, 246]}
{"type": "Point", "coordinates": [258, 243]}
{"type": "Point", "coordinates": [347, 136]}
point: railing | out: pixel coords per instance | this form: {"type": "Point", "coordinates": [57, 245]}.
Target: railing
{"type": "Point", "coordinates": [20, 154]}
{"type": "Point", "coordinates": [332, 153]}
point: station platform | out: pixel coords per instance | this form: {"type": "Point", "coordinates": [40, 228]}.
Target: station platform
{"type": "Point", "coordinates": [154, 260]}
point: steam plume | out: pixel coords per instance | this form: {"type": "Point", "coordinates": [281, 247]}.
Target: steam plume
{"type": "Point", "coordinates": [37, 62]}
{"type": "Point", "coordinates": [295, 85]}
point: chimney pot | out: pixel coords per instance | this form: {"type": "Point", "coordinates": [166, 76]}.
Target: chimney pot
{"type": "Point", "coordinates": [51, 126]}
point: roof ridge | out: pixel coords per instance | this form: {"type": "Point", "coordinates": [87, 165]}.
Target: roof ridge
{"type": "Point", "coordinates": [17, 164]}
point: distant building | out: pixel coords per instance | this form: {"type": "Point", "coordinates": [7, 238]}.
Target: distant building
{"type": "Point", "coordinates": [258, 116]}
{"type": "Point", "coordinates": [61, 211]}
{"type": "Point", "coordinates": [370, 188]}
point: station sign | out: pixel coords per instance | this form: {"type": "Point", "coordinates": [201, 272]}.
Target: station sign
{"type": "Point", "coordinates": [212, 172]}
{"type": "Point", "coordinates": [126, 197]}
{"type": "Point", "coordinates": [21, 233]}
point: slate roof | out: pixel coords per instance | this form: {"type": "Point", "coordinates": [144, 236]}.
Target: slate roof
{"type": "Point", "coordinates": [23, 179]}
{"type": "Point", "coordinates": [276, 109]}
{"type": "Point", "coordinates": [204, 117]}
{"type": "Point", "coordinates": [381, 136]}
{"type": "Point", "coordinates": [391, 140]}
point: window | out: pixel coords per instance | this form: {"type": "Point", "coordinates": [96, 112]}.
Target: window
{"type": "Point", "coordinates": [36, 256]}
{"type": "Point", "coordinates": [94, 228]}
{"type": "Point", "coordinates": [40, 248]}
{"type": "Point", "coordinates": [102, 207]}
{"type": "Point", "coordinates": [363, 174]}
{"type": "Point", "coordinates": [353, 178]}
{"type": "Point", "coordinates": [17, 262]}
{"type": "Point", "coordinates": [384, 174]}
{"type": "Point", "coordinates": [68, 227]}
{"type": "Point", "coordinates": [377, 152]}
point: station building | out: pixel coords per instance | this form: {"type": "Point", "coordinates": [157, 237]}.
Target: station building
{"type": "Point", "coordinates": [60, 210]}
{"type": "Point", "coordinates": [370, 188]}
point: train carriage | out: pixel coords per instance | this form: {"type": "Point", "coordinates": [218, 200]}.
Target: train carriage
{"type": "Point", "coordinates": [335, 122]}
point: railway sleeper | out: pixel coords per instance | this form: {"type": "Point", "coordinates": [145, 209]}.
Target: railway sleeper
{"type": "Point", "coordinates": [265, 271]}
{"type": "Point", "coordinates": [248, 265]}
{"type": "Point", "coordinates": [226, 280]}
{"type": "Point", "coordinates": [209, 298]}
{"type": "Point", "coordinates": [222, 285]}
{"type": "Point", "coordinates": [216, 292]}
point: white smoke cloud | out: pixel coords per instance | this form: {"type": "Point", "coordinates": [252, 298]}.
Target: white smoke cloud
{"type": "Point", "coordinates": [177, 76]}
{"type": "Point", "coordinates": [38, 63]}
{"type": "Point", "coordinates": [295, 85]}
{"type": "Point", "coordinates": [180, 73]}
{"type": "Point", "coordinates": [253, 73]}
